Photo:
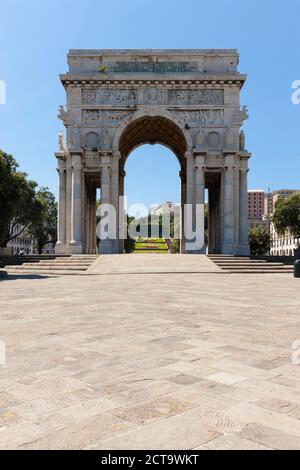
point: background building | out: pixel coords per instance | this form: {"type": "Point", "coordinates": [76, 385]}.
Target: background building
{"type": "Point", "coordinates": [22, 244]}
{"type": "Point", "coordinates": [256, 209]}
{"type": "Point", "coordinates": [165, 207]}
{"type": "Point", "coordinates": [281, 245]}
{"type": "Point", "coordinates": [260, 208]}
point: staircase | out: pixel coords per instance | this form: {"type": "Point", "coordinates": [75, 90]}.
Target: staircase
{"type": "Point", "coordinates": [246, 265]}
{"type": "Point", "coordinates": [17, 260]}
{"type": "Point", "coordinates": [55, 266]}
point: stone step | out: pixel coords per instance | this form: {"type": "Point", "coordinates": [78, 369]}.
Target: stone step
{"type": "Point", "coordinates": [260, 265]}
{"type": "Point", "coordinates": [257, 268]}
{"type": "Point", "coordinates": [44, 272]}
{"type": "Point", "coordinates": [261, 271]}
{"type": "Point", "coordinates": [246, 265]}
{"type": "Point", "coordinates": [54, 263]}
{"type": "Point", "coordinates": [45, 268]}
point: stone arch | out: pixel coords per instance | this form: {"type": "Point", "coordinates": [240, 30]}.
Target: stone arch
{"type": "Point", "coordinates": [153, 115]}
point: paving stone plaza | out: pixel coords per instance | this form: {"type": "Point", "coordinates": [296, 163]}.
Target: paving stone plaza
{"type": "Point", "coordinates": [150, 351]}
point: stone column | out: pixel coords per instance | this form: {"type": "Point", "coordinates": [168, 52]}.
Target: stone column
{"type": "Point", "coordinates": [243, 249]}
{"type": "Point", "coordinates": [122, 213]}
{"type": "Point", "coordinates": [114, 197]}
{"type": "Point", "coordinates": [68, 202]}
{"type": "Point", "coordinates": [189, 208]}
{"type": "Point", "coordinates": [76, 210]}
{"type": "Point", "coordinates": [228, 216]}
{"type": "Point", "coordinates": [60, 247]}
{"type": "Point", "coordinates": [105, 176]}
{"type": "Point", "coordinates": [200, 194]}
{"type": "Point", "coordinates": [182, 175]}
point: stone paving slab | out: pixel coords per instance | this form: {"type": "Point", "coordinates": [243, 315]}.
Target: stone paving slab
{"type": "Point", "coordinates": [180, 360]}
{"type": "Point", "coordinates": [152, 263]}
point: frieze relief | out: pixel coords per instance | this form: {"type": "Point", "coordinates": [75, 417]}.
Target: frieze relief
{"type": "Point", "coordinates": [196, 97]}
{"type": "Point", "coordinates": [110, 97]}
{"type": "Point", "coordinates": [203, 116]}
{"type": "Point", "coordinates": [100, 116]}
{"type": "Point", "coordinates": [153, 96]}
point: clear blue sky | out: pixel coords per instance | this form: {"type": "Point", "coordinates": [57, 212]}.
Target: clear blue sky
{"type": "Point", "coordinates": [36, 35]}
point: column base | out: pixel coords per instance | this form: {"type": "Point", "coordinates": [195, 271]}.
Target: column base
{"type": "Point", "coordinates": [75, 248]}
{"type": "Point", "coordinates": [229, 249]}
{"type": "Point", "coordinates": [60, 248]}
{"type": "Point", "coordinates": [243, 250]}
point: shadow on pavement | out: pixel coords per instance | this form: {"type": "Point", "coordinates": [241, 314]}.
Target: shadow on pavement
{"type": "Point", "coordinates": [14, 277]}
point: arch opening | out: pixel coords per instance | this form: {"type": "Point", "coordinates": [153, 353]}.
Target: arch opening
{"type": "Point", "coordinates": [159, 132]}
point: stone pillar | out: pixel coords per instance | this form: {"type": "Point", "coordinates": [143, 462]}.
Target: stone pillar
{"type": "Point", "coordinates": [189, 208]}
{"type": "Point", "coordinates": [228, 215]}
{"type": "Point", "coordinates": [60, 247]}
{"type": "Point", "coordinates": [243, 248]}
{"type": "Point", "coordinates": [122, 214]}
{"type": "Point", "coordinates": [105, 177]}
{"type": "Point", "coordinates": [200, 194]}
{"type": "Point", "coordinates": [68, 202]}
{"type": "Point", "coordinates": [76, 210]}
{"type": "Point", "coordinates": [182, 175]}
{"type": "Point", "coordinates": [114, 197]}
{"type": "Point", "coordinates": [236, 178]}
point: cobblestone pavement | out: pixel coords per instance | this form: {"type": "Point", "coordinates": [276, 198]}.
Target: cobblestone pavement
{"type": "Point", "coordinates": [150, 351]}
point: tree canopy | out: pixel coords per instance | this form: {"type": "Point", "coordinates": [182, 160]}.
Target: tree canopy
{"type": "Point", "coordinates": [286, 215]}
{"type": "Point", "coordinates": [44, 228]}
{"type": "Point", "coordinates": [22, 207]}
{"type": "Point", "coordinates": [259, 241]}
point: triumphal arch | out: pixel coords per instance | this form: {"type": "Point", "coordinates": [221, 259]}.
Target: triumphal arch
{"type": "Point", "coordinates": [187, 100]}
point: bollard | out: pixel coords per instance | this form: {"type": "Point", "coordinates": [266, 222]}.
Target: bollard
{"type": "Point", "coordinates": [297, 268]}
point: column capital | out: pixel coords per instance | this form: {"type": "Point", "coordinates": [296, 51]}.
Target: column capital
{"type": "Point", "coordinates": [105, 159]}
{"type": "Point", "coordinates": [229, 160]}
{"type": "Point", "coordinates": [61, 165]}
{"type": "Point", "coordinates": [199, 161]}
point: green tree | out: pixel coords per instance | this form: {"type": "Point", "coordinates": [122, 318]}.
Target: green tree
{"type": "Point", "coordinates": [286, 215]}
{"type": "Point", "coordinates": [129, 242]}
{"type": "Point", "coordinates": [175, 246]}
{"type": "Point", "coordinates": [259, 241]}
{"type": "Point", "coordinates": [44, 227]}
{"type": "Point", "coordinates": [18, 204]}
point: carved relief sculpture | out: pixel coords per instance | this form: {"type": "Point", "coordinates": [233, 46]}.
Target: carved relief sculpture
{"type": "Point", "coordinates": [200, 139]}
{"type": "Point", "coordinates": [242, 140]}
{"type": "Point", "coordinates": [105, 138]}
{"type": "Point", "coordinates": [61, 141]}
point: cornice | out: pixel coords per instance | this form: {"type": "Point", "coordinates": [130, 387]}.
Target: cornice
{"type": "Point", "coordinates": [101, 79]}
